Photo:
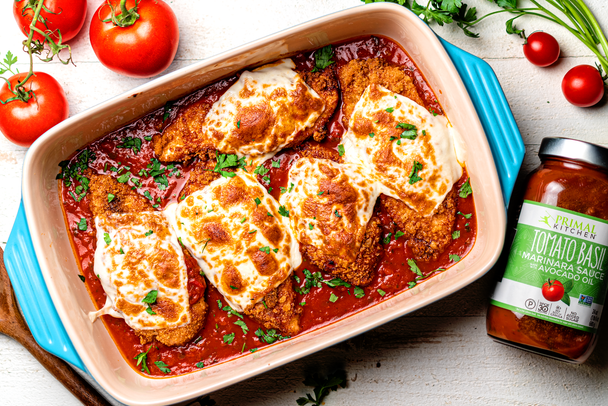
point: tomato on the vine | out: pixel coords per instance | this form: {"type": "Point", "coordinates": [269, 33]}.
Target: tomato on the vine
{"type": "Point", "coordinates": [541, 49]}
{"type": "Point", "coordinates": [583, 86]}
{"type": "Point", "coordinates": [67, 16]}
{"type": "Point", "coordinates": [137, 39]}
{"type": "Point", "coordinates": [553, 290]}
{"type": "Point", "coordinates": [23, 122]}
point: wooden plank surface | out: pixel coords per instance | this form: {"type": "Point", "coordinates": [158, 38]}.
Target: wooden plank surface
{"type": "Point", "coordinates": [438, 355]}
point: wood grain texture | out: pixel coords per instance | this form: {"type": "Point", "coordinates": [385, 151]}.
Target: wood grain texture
{"type": "Point", "coordinates": [439, 355]}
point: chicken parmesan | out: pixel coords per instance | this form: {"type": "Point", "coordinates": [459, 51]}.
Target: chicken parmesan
{"type": "Point", "coordinates": [267, 205]}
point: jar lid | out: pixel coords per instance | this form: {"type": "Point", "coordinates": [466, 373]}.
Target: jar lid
{"type": "Point", "coordinates": [574, 149]}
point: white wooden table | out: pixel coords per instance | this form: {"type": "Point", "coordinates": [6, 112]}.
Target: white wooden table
{"type": "Point", "coordinates": [438, 355]}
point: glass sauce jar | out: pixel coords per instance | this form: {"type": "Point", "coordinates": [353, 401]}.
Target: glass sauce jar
{"type": "Point", "coordinates": [551, 296]}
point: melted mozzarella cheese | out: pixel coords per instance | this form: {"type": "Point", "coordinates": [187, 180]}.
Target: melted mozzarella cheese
{"type": "Point", "coordinates": [263, 111]}
{"type": "Point", "coordinates": [330, 205]}
{"type": "Point", "coordinates": [136, 254]}
{"type": "Point", "coordinates": [235, 231]}
{"type": "Point", "coordinates": [374, 140]}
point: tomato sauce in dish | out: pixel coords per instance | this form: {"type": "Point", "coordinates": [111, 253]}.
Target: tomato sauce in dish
{"type": "Point", "coordinates": [129, 150]}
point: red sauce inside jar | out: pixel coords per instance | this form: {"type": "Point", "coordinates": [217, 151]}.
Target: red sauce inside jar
{"type": "Point", "coordinates": [581, 188]}
{"type": "Point", "coordinates": [393, 274]}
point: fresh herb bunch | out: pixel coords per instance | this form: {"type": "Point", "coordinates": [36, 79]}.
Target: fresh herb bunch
{"type": "Point", "coordinates": [32, 46]}
{"type": "Point", "coordinates": [322, 387]}
{"type": "Point", "coordinates": [574, 15]}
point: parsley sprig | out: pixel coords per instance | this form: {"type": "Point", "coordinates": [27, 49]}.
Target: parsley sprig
{"type": "Point", "coordinates": [323, 58]}
{"type": "Point", "coordinates": [322, 387]}
{"type": "Point", "coordinates": [228, 161]}
{"type": "Point", "coordinates": [71, 174]}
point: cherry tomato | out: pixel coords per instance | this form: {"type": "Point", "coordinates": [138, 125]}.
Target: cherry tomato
{"type": "Point", "coordinates": [553, 290]}
{"type": "Point", "coordinates": [583, 86]}
{"type": "Point", "coordinates": [541, 49]}
{"type": "Point", "coordinates": [141, 50]}
{"type": "Point", "coordinates": [66, 16]}
{"type": "Point", "coordinates": [22, 123]}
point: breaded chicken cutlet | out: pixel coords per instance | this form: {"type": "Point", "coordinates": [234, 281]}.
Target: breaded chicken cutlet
{"type": "Point", "coordinates": [184, 138]}
{"type": "Point", "coordinates": [128, 201]}
{"type": "Point", "coordinates": [428, 236]}
{"type": "Point", "coordinates": [278, 309]}
{"type": "Point", "coordinates": [357, 74]}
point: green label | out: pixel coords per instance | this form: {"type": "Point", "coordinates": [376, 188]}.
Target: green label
{"type": "Point", "coordinates": [556, 267]}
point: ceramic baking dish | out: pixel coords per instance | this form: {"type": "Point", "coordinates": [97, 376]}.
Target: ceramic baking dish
{"type": "Point", "coordinates": [56, 306]}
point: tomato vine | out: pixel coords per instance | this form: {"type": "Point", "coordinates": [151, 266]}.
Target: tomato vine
{"type": "Point", "coordinates": [33, 47]}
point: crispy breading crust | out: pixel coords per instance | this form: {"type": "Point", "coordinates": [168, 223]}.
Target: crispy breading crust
{"type": "Point", "coordinates": [325, 83]}
{"type": "Point", "coordinates": [200, 176]}
{"type": "Point", "coordinates": [359, 273]}
{"type": "Point", "coordinates": [183, 139]}
{"type": "Point", "coordinates": [281, 311]}
{"type": "Point", "coordinates": [428, 236]}
{"type": "Point", "coordinates": [357, 74]}
{"type": "Point", "coordinates": [128, 201]}
{"type": "Point", "coordinates": [311, 149]}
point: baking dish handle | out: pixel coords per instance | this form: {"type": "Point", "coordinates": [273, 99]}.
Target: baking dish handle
{"type": "Point", "coordinates": [494, 113]}
{"type": "Point", "coordinates": [33, 296]}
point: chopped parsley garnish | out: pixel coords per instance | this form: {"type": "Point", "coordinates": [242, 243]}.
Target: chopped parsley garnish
{"type": "Point", "coordinates": [164, 368]}
{"type": "Point", "coordinates": [456, 234]}
{"type": "Point", "coordinates": [312, 280]}
{"type": "Point", "coordinates": [269, 336]}
{"type": "Point", "coordinates": [162, 181]}
{"type": "Point", "coordinates": [291, 185]}
{"type": "Point", "coordinates": [275, 250]}
{"type": "Point", "coordinates": [465, 189]}
{"type": "Point", "coordinates": [149, 232]}
{"type": "Point", "coordinates": [466, 216]}
{"type": "Point", "coordinates": [359, 292]}
{"type": "Point", "coordinates": [132, 143]}
{"type": "Point", "coordinates": [124, 178]}
{"type": "Point", "coordinates": [228, 161]}
{"type": "Point", "coordinates": [424, 132]}
{"type": "Point", "coordinates": [238, 124]}
{"type": "Point", "coordinates": [432, 110]}
{"type": "Point", "coordinates": [148, 196]}
{"type": "Point", "coordinates": [414, 267]}
{"type": "Point", "coordinates": [310, 226]}
{"type": "Point", "coordinates": [411, 284]}
{"type": "Point", "coordinates": [265, 249]}
{"type": "Point", "coordinates": [320, 193]}
{"type": "Point", "coordinates": [148, 138]}
{"type": "Point", "coordinates": [199, 338]}
{"type": "Point", "coordinates": [233, 287]}
{"type": "Point", "coordinates": [417, 166]}
{"type": "Point", "coordinates": [341, 150]}
{"type": "Point", "coordinates": [200, 364]}
{"type": "Point", "coordinates": [229, 338]}
{"type": "Point", "coordinates": [266, 179]}
{"type": "Point", "coordinates": [252, 231]}
{"type": "Point", "coordinates": [253, 350]}
{"type": "Point", "coordinates": [244, 219]}
{"type": "Point", "coordinates": [283, 189]}
{"type": "Point", "coordinates": [390, 110]}
{"type": "Point", "coordinates": [336, 282]}
{"type": "Point", "coordinates": [168, 107]}
{"type": "Point", "coordinates": [333, 298]}
{"type": "Point", "coordinates": [110, 197]}
{"type": "Point", "coordinates": [454, 257]}
{"type": "Point", "coordinates": [399, 234]}
{"type": "Point", "coordinates": [107, 239]}
{"type": "Point", "coordinates": [302, 303]}
{"type": "Point", "coordinates": [381, 292]}
{"type": "Point", "coordinates": [410, 133]}
{"type": "Point", "coordinates": [141, 359]}
{"type": "Point", "coordinates": [338, 215]}
{"type": "Point", "coordinates": [242, 325]}
{"type": "Point", "coordinates": [276, 164]}
{"type": "Point", "coordinates": [71, 174]}
{"type": "Point", "coordinates": [150, 299]}
{"type": "Point", "coordinates": [81, 277]}
{"type": "Point", "coordinates": [260, 170]}
{"type": "Point", "coordinates": [371, 135]}
{"type": "Point", "coordinates": [387, 239]}
{"type": "Point", "coordinates": [257, 201]}
{"type": "Point", "coordinates": [269, 214]}
{"type": "Point", "coordinates": [82, 224]}
{"type": "Point", "coordinates": [283, 211]}
{"type": "Point", "coordinates": [323, 58]}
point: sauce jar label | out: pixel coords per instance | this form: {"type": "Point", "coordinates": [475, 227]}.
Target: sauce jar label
{"type": "Point", "coordinates": [556, 267]}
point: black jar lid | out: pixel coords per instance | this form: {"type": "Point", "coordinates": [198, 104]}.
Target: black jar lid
{"type": "Point", "coordinates": [574, 149]}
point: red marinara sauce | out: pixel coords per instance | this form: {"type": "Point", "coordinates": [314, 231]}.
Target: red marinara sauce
{"type": "Point", "coordinates": [129, 150]}
{"type": "Point", "coordinates": [550, 298]}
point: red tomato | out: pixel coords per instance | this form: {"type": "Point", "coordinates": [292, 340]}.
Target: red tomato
{"type": "Point", "coordinates": [553, 290]}
{"type": "Point", "coordinates": [22, 123]}
{"type": "Point", "coordinates": [583, 86]}
{"type": "Point", "coordinates": [541, 49]}
{"type": "Point", "coordinates": [65, 15]}
{"type": "Point", "coordinates": [141, 50]}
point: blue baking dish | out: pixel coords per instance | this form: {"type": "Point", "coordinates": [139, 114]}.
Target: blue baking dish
{"type": "Point", "coordinates": [492, 108]}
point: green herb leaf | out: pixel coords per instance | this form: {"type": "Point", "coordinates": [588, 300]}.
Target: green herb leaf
{"type": "Point", "coordinates": [110, 197]}
{"type": "Point", "coordinates": [269, 336]}
{"type": "Point", "coordinates": [337, 214]}
{"type": "Point", "coordinates": [414, 267]}
{"type": "Point", "coordinates": [229, 338]}
{"type": "Point", "coordinates": [333, 298]}
{"type": "Point", "coordinates": [466, 216]}
{"type": "Point", "coordinates": [228, 161]}
{"type": "Point", "coordinates": [283, 211]}
{"type": "Point", "coordinates": [276, 164]}
{"type": "Point", "coordinates": [132, 143]}
{"type": "Point", "coordinates": [257, 201]}
{"type": "Point", "coordinates": [359, 292]}
{"type": "Point", "coordinates": [81, 277]}
{"type": "Point", "coordinates": [163, 367]}
{"type": "Point", "coordinates": [381, 292]}
{"type": "Point", "coordinates": [341, 150]}
{"type": "Point", "coordinates": [336, 282]}
{"type": "Point", "coordinates": [107, 239]}
{"type": "Point", "coordinates": [568, 285]}
{"type": "Point", "coordinates": [455, 234]}
{"type": "Point", "coordinates": [454, 258]}
{"type": "Point", "coordinates": [416, 167]}
{"type": "Point", "coordinates": [82, 224]}
{"type": "Point", "coordinates": [265, 249]}
{"type": "Point", "coordinates": [242, 325]}
{"type": "Point", "coordinates": [465, 190]}
{"type": "Point", "coordinates": [310, 226]}
{"type": "Point", "coordinates": [566, 299]}
{"type": "Point", "coordinates": [141, 359]}
{"type": "Point", "coordinates": [322, 387]}
{"type": "Point", "coordinates": [390, 110]}
{"type": "Point", "coordinates": [323, 58]}
{"type": "Point", "coordinates": [200, 364]}
{"type": "Point", "coordinates": [283, 189]}
{"type": "Point", "coordinates": [151, 297]}
{"type": "Point", "coordinates": [371, 135]}
{"type": "Point", "coordinates": [149, 232]}
{"type": "Point", "coordinates": [291, 186]}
